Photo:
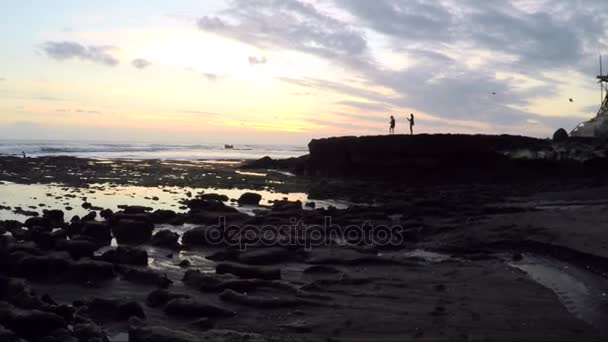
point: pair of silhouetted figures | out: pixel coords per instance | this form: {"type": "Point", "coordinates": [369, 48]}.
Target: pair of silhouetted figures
{"type": "Point", "coordinates": [391, 129]}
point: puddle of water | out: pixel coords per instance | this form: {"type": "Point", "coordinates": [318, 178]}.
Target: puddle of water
{"type": "Point", "coordinates": [583, 293]}
{"type": "Point", "coordinates": [53, 196]}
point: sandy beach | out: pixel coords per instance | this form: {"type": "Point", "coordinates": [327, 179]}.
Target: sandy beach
{"type": "Point", "coordinates": [127, 248]}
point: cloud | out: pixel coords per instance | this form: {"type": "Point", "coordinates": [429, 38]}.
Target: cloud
{"type": "Point", "coordinates": [456, 50]}
{"type": "Point", "coordinates": [77, 111]}
{"type": "Point", "coordinates": [211, 77]}
{"type": "Point", "coordinates": [68, 50]}
{"type": "Point", "coordinates": [140, 63]}
{"type": "Point", "coordinates": [287, 24]}
{"type": "Point", "coordinates": [253, 60]}
{"type": "Point", "coordinates": [199, 113]}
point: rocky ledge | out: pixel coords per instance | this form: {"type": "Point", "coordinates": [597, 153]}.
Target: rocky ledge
{"type": "Point", "coordinates": [453, 157]}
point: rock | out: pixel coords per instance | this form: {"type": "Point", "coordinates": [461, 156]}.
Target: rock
{"type": "Point", "coordinates": [89, 270]}
{"type": "Point", "coordinates": [198, 204]}
{"type": "Point", "coordinates": [185, 263]}
{"type": "Point", "coordinates": [145, 276]}
{"type": "Point", "coordinates": [264, 256]}
{"type": "Point", "coordinates": [38, 222]}
{"type": "Point", "coordinates": [126, 255]}
{"type": "Point", "coordinates": [161, 334]}
{"type": "Point", "coordinates": [44, 267]}
{"type": "Point", "coordinates": [134, 209]}
{"type": "Point", "coordinates": [161, 297]}
{"type": "Point", "coordinates": [99, 232]}
{"type": "Point", "coordinates": [250, 198]}
{"type": "Point", "coordinates": [89, 331]}
{"type": "Point", "coordinates": [214, 197]}
{"type": "Point", "coordinates": [191, 308]}
{"type": "Point", "coordinates": [7, 335]}
{"type": "Point", "coordinates": [560, 135]}
{"type": "Point", "coordinates": [196, 236]}
{"type": "Point", "coordinates": [78, 248]}
{"type": "Point", "coordinates": [166, 238]}
{"type": "Point", "coordinates": [114, 310]}
{"type": "Point", "coordinates": [130, 309]}
{"type": "Point", "coordinates": [54, 216]}
{"type": "Point", "coordinates": [163, 216]}
{"type": "Point", "coordinates": [91, 216]}
{"type": "Point", "coordinates": [258, 301]}
{"type": "Point", "coordinates": [22, 322]}
{"type": "Point", "coordinates": [132, 232]}
{"type": "Point", "coordinates": [262, 163]}
{"type": "Point", "coordinates": [246, 271]}
{"type": "Point", "coordinates": [202, 324]}
{"type": "Point", "coordinates": [298, 326]}
{"type": "Point", "coordinates": [206, 281]}
{"type": "Point", "coordinates": [106, 214]}
{"type": "Point", "coordinates": [320, 269]}
{"type": "Point", "coordinates": [290, 206]}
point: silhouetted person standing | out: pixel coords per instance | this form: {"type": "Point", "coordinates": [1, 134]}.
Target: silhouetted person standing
{"type": "Point", "coordinates": [391, 129]}
{"type": "Point", "coordinates": [411, 120]}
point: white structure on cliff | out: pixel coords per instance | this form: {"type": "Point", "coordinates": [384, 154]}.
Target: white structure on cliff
{"type": "Point", "coordinates": [598, 126]}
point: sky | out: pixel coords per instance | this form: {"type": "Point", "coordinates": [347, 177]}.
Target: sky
{"type": "Point", "coordinates": [286, 71]}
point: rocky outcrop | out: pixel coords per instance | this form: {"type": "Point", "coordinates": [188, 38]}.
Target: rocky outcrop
{"type": "Point", "coordinates": [440, 158]}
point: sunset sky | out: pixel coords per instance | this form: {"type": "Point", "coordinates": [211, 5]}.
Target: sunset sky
{"type": "Point", "coordinates": [285, 71]}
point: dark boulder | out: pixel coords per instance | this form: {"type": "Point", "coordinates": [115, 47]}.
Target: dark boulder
{"type": "Point", "coordinates": [264, 256]}
{"type": "Point", "coordinates": [44, 267]}
{"type": "Point", "coordinates": [8, 336]}
{"type": "Point", "coordinates": [199, 236]}
{"type": "Point", "coordinates": [38, 222]}
{"type": "Point", "coordinates": [78, 248]}
{"type": "Point", "coordinates": [198, 204]}
{"type": "Point", "coordinates": [91, 216]}
{"type": "Point", "coordinates": [161, 297]}
{"type": "Point", "coordinates": [161, 334]}
{"type": "Point", "coordinates": [114, 310]}
{"type": "Point", "coordinates": [144, 276]}
{"type": "Point", "coordinates": [130, 309]}
{"type": "Point", "coordinates": [132, 232]}
{"type": "Point", "coordinates": [191, 308]}
{"type": "Point", "coordinates": [560, 135]}
{"type": "Point", "coordinates": [55, 216]}
{"type": "Point", "coordinates": [89, 331]}
{"type": "Point", "coordinates": [126, 255]}
{"type": "Point", "coordinates": [250, 198]}
{"type": "Point", "coordinates": [287, 206]}
{"type": "Point", "coordinates": [98, 232]}
{"type": "Point", "coordinates": [246, 271]}
{"type": "Point", "coordinates": [22, 322]}
{"type": "Point", "coordinates": [89, 270]}
{"type": "Point", "coordinates": [106, 214]}
{"type": "Point", "coordinates": [259, 301]}
{"type": "Point", "coordinates": [163, 216]}
{"type": "Point", "coordinates": [134, 209]}
{"type": "Point", "coordinates": [166, 238]}
{"type": "Point", "coordinates": [214, 197]}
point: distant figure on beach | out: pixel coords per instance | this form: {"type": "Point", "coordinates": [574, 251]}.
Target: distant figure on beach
{"type": "Point", "coordinates": [24, 156]}
{"type": "Point", "coordinates": [391, 129]}
{"type": "Point", "coordinates": [411, 120]}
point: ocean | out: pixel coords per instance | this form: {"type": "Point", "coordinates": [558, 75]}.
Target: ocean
{"type": "Point", "coordinates": [142, 151]}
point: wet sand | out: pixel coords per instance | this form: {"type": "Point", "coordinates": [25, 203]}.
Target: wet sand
{"type": "Point", "coordinates": [477, 262]}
